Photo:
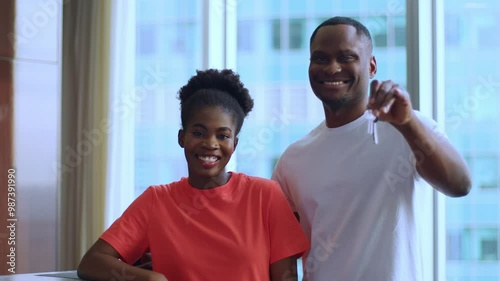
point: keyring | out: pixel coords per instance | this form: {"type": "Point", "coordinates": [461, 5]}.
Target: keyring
{"type": "Point", "coordinates": [372, 128]}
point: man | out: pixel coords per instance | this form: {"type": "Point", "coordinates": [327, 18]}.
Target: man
{"type": "Point", "coordinates": [354, 192]}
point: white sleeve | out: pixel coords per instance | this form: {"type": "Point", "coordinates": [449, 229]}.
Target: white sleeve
{"type": "Point", "coordinates": [280, 177]}
{"type": "Point", "coordinates": [429, 145]}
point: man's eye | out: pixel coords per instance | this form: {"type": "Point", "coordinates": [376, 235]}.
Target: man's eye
{"type": "Point", "coordinates": [346, 58]}
{"type": "Point", "coordinates": [319, 59]}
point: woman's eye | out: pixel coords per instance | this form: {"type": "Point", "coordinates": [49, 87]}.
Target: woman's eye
{"type": "Point", "coordinates": [197, 134]}
{"type": "Point", "coordinates": [223, 137]}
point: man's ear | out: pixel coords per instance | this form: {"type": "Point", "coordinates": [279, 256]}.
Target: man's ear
{"type": "Point", "coordinates": [235, 142]}
{"type": "Point", "coordinates": [373, 67]}
{"type": "Point", "coordinates": [180, 138]}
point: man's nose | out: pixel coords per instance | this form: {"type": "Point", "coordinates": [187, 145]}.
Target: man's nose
{"type": "Point", "coordinates": [333, 67]}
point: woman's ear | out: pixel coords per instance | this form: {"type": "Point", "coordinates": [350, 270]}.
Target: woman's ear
{"type": "Point", "coordinates": [235, 143]}
{"type": "Point", "coordinates": [180, 138]}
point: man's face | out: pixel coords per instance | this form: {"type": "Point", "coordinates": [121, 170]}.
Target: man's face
{"type": "Point", "coordinates": [341, 66]}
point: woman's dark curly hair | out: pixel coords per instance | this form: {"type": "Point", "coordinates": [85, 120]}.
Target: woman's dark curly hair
{"type": "Point", "coordinates": [213, 87]}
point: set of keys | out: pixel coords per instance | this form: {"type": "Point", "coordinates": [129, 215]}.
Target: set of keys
{"type": "Point", "coordinates": [372, 128]}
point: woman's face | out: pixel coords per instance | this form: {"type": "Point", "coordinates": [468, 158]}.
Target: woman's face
{"type": "Point", "coordinates": [208, 140]}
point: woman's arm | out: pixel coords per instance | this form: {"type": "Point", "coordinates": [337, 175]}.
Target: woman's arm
{"type": "Point", "coordinates": [101, 262]}
{"type": "Point", "coordinates": [284, 270]}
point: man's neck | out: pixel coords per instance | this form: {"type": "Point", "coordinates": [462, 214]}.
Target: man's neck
{"type": "Point", "coordinates": [341, 116]}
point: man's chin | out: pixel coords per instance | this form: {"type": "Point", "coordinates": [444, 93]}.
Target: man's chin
{"type": "Point", "coordinates": [334, 104]}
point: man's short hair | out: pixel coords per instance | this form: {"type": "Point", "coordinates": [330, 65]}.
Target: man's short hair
{"type": "Point", "coordinates": [360, 28]}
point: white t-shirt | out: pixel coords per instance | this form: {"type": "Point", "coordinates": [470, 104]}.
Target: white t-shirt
{"type": "Point", "coordinates": [356, 201]}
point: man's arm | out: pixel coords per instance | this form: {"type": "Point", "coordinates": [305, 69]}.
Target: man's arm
{"type": "Point", "coordinates": [437, 161]}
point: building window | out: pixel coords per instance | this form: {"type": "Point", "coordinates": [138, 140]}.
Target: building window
{"type": "Point", "coordinates": [296, 33]}
{"type": "Point", "coordinates": [276, 33]}
{"type": "Point", "coordinates": [146, 39]}
{"type": "Point", "coordinates": [489, 249]}
{"type": "Point", "coordinates": [453, 30]}
{"type": "Point", "coordinates": [400, 32]}
{"type": "Point", "coordinates": [378, 29]}
{"type": "Point", "coordinates": [485, 171]}
{"type": "Point", "coordinates": [245, 35]}
{"type": "Point", "coordinates": [488, 244]}
{"type": "Point", "coordinates": [454, 246]}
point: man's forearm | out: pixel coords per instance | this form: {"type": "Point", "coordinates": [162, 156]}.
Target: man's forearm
{"type": "Point", "coordinates": [437, 161]}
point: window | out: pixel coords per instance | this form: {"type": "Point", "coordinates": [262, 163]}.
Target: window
{"type": "Point", "coordinates": [378, 28]}
{"type": "Point", "coordinates": [276, 34]}
{"type": "Point", "coordinates": [297, 32]}
{"type": "Point", "coordinates": [487, 243]}
{"type": "Point", "coordinates": [175, 27]}
{"type": "Point", "coordinates": [471, 108]}
{"type": "Point", "coordinates": [146, 39]}
{"type": "Point", "coordinates": [489, 249]}
{"type": "Point", "coordinates": [485, 171]}
{"type": "Point", "coordinates": [399, 32]}
{"type": "Point", "coordinates": [245, 35]}
{"type": "Point", "coordinates": [454, 247]}
{"type": "Point", "coordinates": [453, 30]}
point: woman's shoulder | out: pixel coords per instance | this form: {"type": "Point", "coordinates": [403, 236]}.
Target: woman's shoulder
{"type": "Point", "coordinates": [166, 188]}
{"type": "Point", "coordinates": [255, 182]}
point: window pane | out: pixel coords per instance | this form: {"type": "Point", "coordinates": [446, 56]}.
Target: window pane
{"type": "Point", "coordinates": [472, 73]}
{"type": "Point", "coordinates": [169, 50]}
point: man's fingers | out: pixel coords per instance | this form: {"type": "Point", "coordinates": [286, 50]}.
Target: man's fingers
{"type": "Point", "coordinates": [387, 105]}
{"type": "Point", "coordinates": [374, 86]}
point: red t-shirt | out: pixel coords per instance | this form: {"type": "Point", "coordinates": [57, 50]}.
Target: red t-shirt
{"type": "Point", "coordinates": [231, 232]}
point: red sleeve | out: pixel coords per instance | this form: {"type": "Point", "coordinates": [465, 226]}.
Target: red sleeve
{"type": "Point", "coordinates": [286, 236]}
{"type": "Point", "coordinates": [129, 233]}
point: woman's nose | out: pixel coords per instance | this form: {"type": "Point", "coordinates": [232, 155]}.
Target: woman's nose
{"type": "Point", "coordinates": [211, 142]}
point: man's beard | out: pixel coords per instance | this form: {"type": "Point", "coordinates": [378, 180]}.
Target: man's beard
{"type": "Point", "coordinates": [336, 103]}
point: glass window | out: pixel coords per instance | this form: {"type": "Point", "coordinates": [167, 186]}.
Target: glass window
{"type": "Point", "coordinates": [471, 109]}
{"type": "Point", "coordinates": [276, 34]}
{"type": "Point", "coordinates": [485, 171]}
{"type": "Point", "coordinates": [453, 30]}
{"type": "Point", "coordinates": [296, 33]}
{"type": "Point", "coordinates": [399, 32]}
{"type": "Point", "coordinates": [146, 39]}
{"type": "Point", "coordinates": [245, 35]}
{"type": "Point", "coordinates": [377, 25]}
{"type": "Point", "coordinates": [169, 52]}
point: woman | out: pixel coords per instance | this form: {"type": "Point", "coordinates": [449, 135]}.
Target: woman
{"type": "Point", "coordinates": [212, 225]}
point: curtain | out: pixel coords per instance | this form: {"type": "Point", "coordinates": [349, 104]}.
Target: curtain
{"type": "Point", "coordinates": [85, 126]}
